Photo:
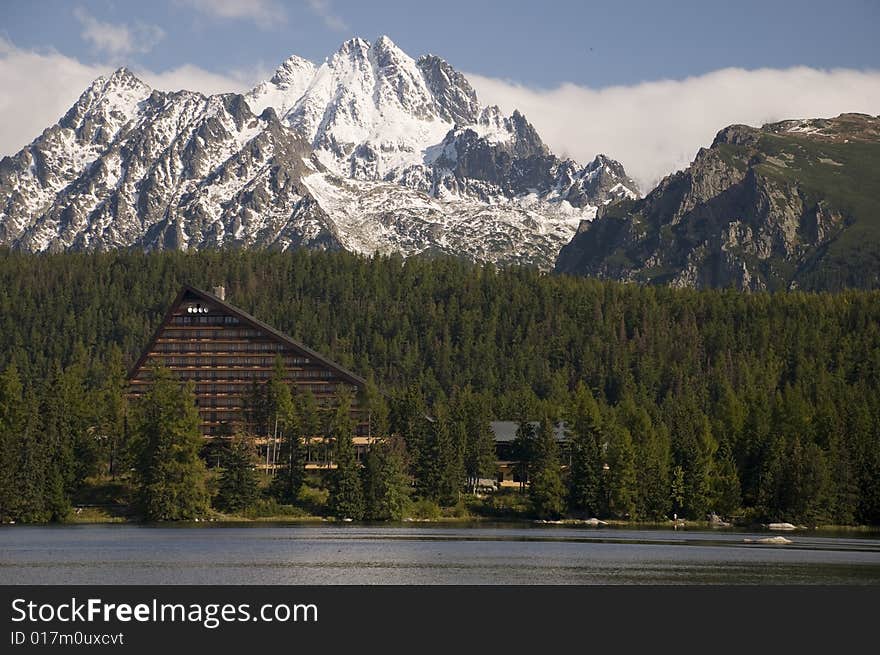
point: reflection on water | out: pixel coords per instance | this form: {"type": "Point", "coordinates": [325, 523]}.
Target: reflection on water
{"type": "Point", "coordinates": [481, 554]}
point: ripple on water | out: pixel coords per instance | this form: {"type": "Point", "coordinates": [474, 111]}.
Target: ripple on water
{"type": "Point", "coordinates": [357, 554]}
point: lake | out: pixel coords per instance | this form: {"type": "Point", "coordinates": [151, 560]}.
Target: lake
{"type": "Point", "coordinates": [427, 554]}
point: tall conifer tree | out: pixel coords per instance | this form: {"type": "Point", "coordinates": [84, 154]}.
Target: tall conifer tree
{"type": "Point", "coordinates": [171, 475]}
{"type": "Point", "coordinates": [346, 493]}
{"type": "Point", "coordinates": [584, 479]}
{"type": "Point", "coordinates": [239, 487]}
{"type": "Point", "coordinates": [546, 490]}
{"type": "Point", "coordinates": [386, 484]}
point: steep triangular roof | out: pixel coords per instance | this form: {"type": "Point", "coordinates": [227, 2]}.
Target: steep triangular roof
{"type": "Point", "coordinates": [243, 316]}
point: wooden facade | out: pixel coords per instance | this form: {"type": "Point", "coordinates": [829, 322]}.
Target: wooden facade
{"type": "Point", "coordinates": [224, 351]}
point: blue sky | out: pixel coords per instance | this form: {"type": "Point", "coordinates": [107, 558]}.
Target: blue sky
{"type": "Point", "coordinates": [535, 43]}
{"type": "Point", "coordinates": [646, 82]}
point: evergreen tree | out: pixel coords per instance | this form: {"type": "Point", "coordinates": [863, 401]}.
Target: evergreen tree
{"type": "Point", "coordinates": [70, 438]}
{"type": "Point", "coordinates": [386, 484]}
{"type": "Point", "coordinates": [377, 408]}
{"type": "Point", "coordinates": [239, 487]}
{"type": "Point", "coordinates": [725, 488]}
{"type": "Point", "coordinates": [619, 480]}
{"type": "Point", "coordinates": [755, 447]}
{"type": "Point", "coordinates": [863, 435]}
{"type": "Point", "coordinates": [112, 410]}
{"type": "Point", "coordinates": [584, 479]}
{"type": "Point", "coordinates": [807, 483]}
{"type": "Point", "coordinates": [170, 473]}
{"type": "Point", "coordinates": [771, 485]}
{"type": "Point", "coordinates": [408, 419]}
{"type": "Point", "coordinates": [524, 408]}
{"type": "Point", "coordinates": [291, 462]}
{"type": "Point", "coordinates": [844, 483]}
{"type": "Point", "coordinates": [279, 399]}
{"type": "Point", "coordinates": [80, 419]}
{"type": "Point", "coordinates": [309, 419]}
{"type": "Point", "coordinates": [290, 455]}
{"type": "Point", "coordinates": [524, 451]}
{"type": "Point", "coordinates": [60, 471]}
{"type": "Point", "coordinates": [30, 479]}
{"type": "Point", "coordinates": [652, 474]}
{"type": "Point", "coordinates": [651, 442]}
{"type": "Point", "coordinates": [546, 490]}
{"type": "Point", "coordinates": [255, 409]}
{"type": "Point", "coordinates": [471, 412]}
{"type": "Point", "coordinates": [448, 458]}
{"type": "Point", "coordinates": [346, 493]}
{"type": "Point", "coordinates": [10, 405]}
{"type": "Point", "coordinates": [677, 491]}
{"type": "Point", "coordinates": [790, 375]}
{"type": "Point", "coordinates": [440, 471]}
{"type": "Point", "coordinates": [22, 467]}
{"type": "Point", "coordinates": [693, 450]}
{"type": "Point", "coordinates": [729, 420]}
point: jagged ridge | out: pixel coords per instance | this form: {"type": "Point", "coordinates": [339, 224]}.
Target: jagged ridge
{"type": "Point", "coordinates": [791, 205]}
{"type": "Point", "coordinates": [370, 151]}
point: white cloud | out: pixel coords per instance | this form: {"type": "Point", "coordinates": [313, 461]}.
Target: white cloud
{"type": "Point", "coordinates": [193, 78]}
{"type": "Point", "coordinates": [655, 128]}
{"type": "Point", "coordinates": [322, 9]}
{"type": "Point", "coordinates": [116, 38]}
{"type": "Point", "coordinates": [264, 13]}
{"type": "Point", "coordinates": [37, 88]}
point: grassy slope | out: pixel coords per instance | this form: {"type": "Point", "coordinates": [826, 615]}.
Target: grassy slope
{"type": "Point", "coordinates": [847, 177]}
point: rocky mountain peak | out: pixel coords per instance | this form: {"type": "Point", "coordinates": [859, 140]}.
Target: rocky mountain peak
{"type": "Point", "coordinates": [123, 75]}
{"type": "Point", "coordinates": [527, 142]}
{"type": "Point", "coordinates": [105, 106]}
{"type": "Point", "coordinates": [841, 129]}
{"type": "Point", "coordinates": [370, 151]}
{"type": "Point", "coordinates": [238, 109]}
{"type": "Point", "coordinates": [736, 135]}
{"type": "Point", "coordinates": [491, 116]}
{"type": "Point", "coordinates": [455, 98]}
{"type": "Point", "coordinates": [121, 82]}
{"type": "Point", "coordinates": [354, 48]}
{"type": "Point", "coordinates": [789, 205]}
{"type": "Point", "coordinates": [603, 162]}
{"type": "Point", "coordinates": [294, 71]}
{"type": "Point", "coordinates": [399, 81]}
{"type": "Point", "coordinates": [389, 60]}
{"type": "Point", "coordinates": [384, 44]}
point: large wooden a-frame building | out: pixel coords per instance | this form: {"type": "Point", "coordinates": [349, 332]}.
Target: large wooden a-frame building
{"type": "Point", "coordinates": [224, 350]}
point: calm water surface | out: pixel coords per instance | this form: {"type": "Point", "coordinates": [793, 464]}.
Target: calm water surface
{"type": "Point", "coordinates": [415, 554]}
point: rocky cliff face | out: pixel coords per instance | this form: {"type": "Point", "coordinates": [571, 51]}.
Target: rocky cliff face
{"type": "Point", "coordinates": [129, 166]}
{"type": "Point", "coordinates": [370, 151]}
{"type": "Point", "coordinates": [790, 205]}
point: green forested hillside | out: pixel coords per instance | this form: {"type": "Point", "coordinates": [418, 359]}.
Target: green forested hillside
{"type": "Point", "coordinates": [756, 404]}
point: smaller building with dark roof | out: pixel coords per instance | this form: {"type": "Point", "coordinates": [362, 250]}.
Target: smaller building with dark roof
{"type": "Point", "coordinates": [507, 459]}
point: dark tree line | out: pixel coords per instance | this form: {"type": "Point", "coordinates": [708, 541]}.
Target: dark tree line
{"type": "Point", "coordinates": [765, 405]}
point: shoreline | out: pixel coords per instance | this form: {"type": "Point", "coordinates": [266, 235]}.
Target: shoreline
{"type": "Point", "coordinates": [232, 520]}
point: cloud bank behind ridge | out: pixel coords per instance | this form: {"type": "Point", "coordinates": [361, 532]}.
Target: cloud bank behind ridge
{"type": "Point", "coordinates": [653, 128]}
{"type": "Point", "coordinates": [656, 128]}
{"type": "Point", "coordinates": [37, 88]}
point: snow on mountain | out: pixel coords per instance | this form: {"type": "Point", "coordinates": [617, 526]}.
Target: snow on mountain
{"type": "Point", "coordinates": [367, 110]}
{"type": "Point", "coordinates": [370, 151]}
{"type": "Point", "coordinates": [129, 166]}
{"type": "Point", "coordinates": [285, 88]}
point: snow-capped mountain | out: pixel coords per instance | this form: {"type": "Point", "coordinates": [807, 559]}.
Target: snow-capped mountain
{"type": "Point", "coordinates": [370, 151]}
